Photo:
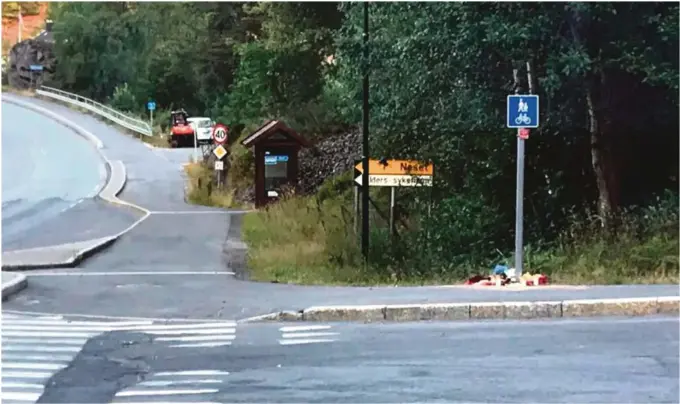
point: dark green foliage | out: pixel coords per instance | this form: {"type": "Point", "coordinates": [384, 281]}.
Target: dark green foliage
{"type": "Point", "coordinates": [607, 74]}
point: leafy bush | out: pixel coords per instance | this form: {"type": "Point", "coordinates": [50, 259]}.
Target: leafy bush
{"type": "Point", "coordinates": [123, 99]}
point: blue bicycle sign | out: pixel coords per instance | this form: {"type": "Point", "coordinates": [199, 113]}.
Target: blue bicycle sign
{"type": "Point", "coordinates": [522, 111]}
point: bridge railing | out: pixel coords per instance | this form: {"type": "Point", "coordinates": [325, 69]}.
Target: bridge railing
{"type": "Point", "coordinates": [109, 113]}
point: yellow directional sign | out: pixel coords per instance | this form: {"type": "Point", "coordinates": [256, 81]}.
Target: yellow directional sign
{"type": "Point", "coordinates": [220, 152]}
{"type": "Point", "coordinates": [397, 167]}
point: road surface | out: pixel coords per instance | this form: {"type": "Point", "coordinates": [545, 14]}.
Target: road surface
{"type": "Point", "coordinates": [566, 361]}
{"type": "Point", "coordinates": [50, 177]}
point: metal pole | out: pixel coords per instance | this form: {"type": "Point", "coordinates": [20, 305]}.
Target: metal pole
{"type": "Point", "coordinates": [357, 211]}
{"type": "Point", "coordinates": [519, 208]}
{"type": "Point", "coordinates": [365, 156]}
{"type": "Point", "coordinates": [151, 112]}
{"type": "Point", "coordinates": [393, 198]}
{"type": "Point", "coordinates": [195, 143]}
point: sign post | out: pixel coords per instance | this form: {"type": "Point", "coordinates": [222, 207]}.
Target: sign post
{"type": "Point", "coordinates": [151, 106]}
{"type": "Point", "coordinates": [220, 135]}
{"type": "Point", "coordinates": [522, 113]}
{"type": "Point", "coordinates": [393, 174]}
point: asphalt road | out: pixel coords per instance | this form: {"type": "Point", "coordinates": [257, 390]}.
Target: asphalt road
{"type": "Point", "coordinates": [48, 172]}
{"type": "Point", "coordinates": [567, 361]}
{"type": "Point", "coordinates": [176, 263]}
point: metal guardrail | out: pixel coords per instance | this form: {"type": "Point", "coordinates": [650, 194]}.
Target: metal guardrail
{"type": "Point", "coordinates": [118, 117]}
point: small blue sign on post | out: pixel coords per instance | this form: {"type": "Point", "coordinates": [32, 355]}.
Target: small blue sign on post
{"type": "Point", "coordinates": [151, 105]}
{"type": "Point", "coordinates": [522, 111]}
{"type": "Point", "coordinates": [36, 68]}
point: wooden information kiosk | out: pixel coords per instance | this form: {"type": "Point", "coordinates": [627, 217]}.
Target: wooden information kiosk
{"type": "Point", "coordinates": [276, 148]}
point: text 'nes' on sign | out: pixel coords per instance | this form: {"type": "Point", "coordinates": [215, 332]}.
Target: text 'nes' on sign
{"type": "Point", "coordinates": [397, 167]}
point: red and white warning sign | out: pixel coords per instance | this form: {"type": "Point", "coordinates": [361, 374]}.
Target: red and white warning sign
{"type": "Point", "coordinates": [220, 133]}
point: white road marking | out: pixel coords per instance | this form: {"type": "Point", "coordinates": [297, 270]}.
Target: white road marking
{"type": "Point", "coordinates": [132, 393]}
{"type": "Point", "coordinates": [35, 348]}
{"type": "Point", "coordinates": [303, 341]}
{"type": "Point", "coordinates": [28, 375]}
{"type": "Point", "coordinates": [54, 323]}
{"type": "Point", "coordinates": [131, 273]}
{"type": "Point", "coordinates": [41, 341]}
{"type": "Point", "coordinates": [46, 334]}
{"type": "Point", "coordinates": [166, 383]}
{"type": "Point", "coordinates": [199, 338]}
{"type": "Point", "coordinates": [20, 396]}
{"type": "Point", "coordinates": [19, 385]}
{"type": "Point", "coordinates": [181, 332]}
{"type": "Point", "coordinates": [24, 348]}
{"type": "Point", "coordinates": [309, 334]}
{"type": "Point", "coordinates": [188, 212]}
{"type": "Point", "coordinates": [34, 365]}
{"type": "Point", "coordinates": [201, 345]}
{"type": "Point", "coordinates": [98, 316]}
{"type": "Point", "coordinates": [304, 328]}
{"type": "Point", "coordinates": [53, 358]}
{"type": "Point", "coordinates": [193, 373]}
{"type": "Point", "coordinates": [230, 324]}
{"type": "Point", "coordinates": [306, 334]}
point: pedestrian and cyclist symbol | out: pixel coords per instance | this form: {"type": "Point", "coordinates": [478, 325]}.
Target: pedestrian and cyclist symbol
{"type": "Point", "coordinates": [522, 111]}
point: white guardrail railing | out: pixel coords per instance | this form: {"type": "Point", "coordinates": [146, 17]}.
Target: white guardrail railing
{"type": "Point", "coordinates": [118, 117]}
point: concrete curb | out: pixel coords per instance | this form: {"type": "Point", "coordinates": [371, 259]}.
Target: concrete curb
{"type": "Point", "coordinates": [71, 254]}
{"type": "Point", "coordinates": [481, 311]}
{"type": "Point", "coordinates": [18, 283]}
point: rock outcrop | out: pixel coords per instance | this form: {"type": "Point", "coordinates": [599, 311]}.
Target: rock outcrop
{"type": "Point", "coordinates": [36, 51]}
{"type": "Point", "coordinates": [330, 157]}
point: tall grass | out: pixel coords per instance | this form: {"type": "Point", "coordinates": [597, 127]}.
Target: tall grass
{"type": "Point", "coordinates": [310, 240]}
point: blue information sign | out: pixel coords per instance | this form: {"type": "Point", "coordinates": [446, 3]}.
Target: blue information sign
{"type": "Point", "coordinates": [272, 160]}
{"type": "Point", "coordinates": [151, 105]}
{"type": "Point", "coordinates": [522, 111]}
{"type": "Point", "coordinates": [36, 68]}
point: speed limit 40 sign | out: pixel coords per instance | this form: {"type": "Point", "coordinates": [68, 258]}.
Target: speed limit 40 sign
{"type": "Point", "coordinates": [220, 133]}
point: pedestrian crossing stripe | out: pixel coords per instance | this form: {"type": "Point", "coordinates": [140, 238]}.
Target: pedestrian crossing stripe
{"type": "Point", "coordinates": [306, 334]}
{"type": "Point", "coordinates": [34, 348]}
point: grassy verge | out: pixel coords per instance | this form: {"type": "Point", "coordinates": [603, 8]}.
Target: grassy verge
{"type": "Point", "coordinates": [201, 189]}
{"type": "Point", "coordinates": [310, 241]}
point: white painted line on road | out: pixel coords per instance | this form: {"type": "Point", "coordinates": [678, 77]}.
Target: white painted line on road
{"type": "Point", "coordinates": [166, 383]}
{"type": "Point", "coordinates": [230, 324]}
{"type": "Point", "coordinates": [27, 375]}
{"type": "Point", "coordinates": [31, 348]}
{"type": "Point", "coordinates": [309, 334]}
{"type": "Point", "coordinates": [54, 323]}
{"type": "Point", "coordinates": [201, 345]}
{"type": "Point", "coordinates": [303, 341]}
{"type": "Point", "coordinates": [101, 328]}
{"type": "Point", "coordinates": [51, 358]}
{"type": "Point", "coordinates": [132, 393]}
{"type": "Point", "coordinates": [304, 328]}
{"type": "Point", "coordinates": [25, 318]}
{"type": "Point", "coordinates": [193, 373]}
{"type": "Point", "coordinates": [26, 365]}
{"type": "Point", "coordinates": [188, 212]}
{"type": "Point", "coordinates": [46, 334]}
{"type": "Point", "coordinates": [93, 329]}
{"type": "Point", "coordinates": [181, 332]}
{"type": "Point", "coordinates": [199, 338]}
{"type": "Point", "coordinates": [100, 316]}
{"type": "Point", "coordinates": [131, 273]}
{"type": "Point", "coordinates": [62, 341]}
{"type": "Point", "coordinates": [18, 385]}
{"type": "Point", "coordinates": [20, 396]}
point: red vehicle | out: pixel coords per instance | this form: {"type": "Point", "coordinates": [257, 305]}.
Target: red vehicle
{"type": "Point", "coordinates": [181, 132]}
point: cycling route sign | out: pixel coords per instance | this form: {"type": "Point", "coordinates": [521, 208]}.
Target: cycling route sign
{"type": "Point", "coordinates": [522, 111]}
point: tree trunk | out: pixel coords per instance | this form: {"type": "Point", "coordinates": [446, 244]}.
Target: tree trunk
{"type": "Point", "coordinates": [601, 150]}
